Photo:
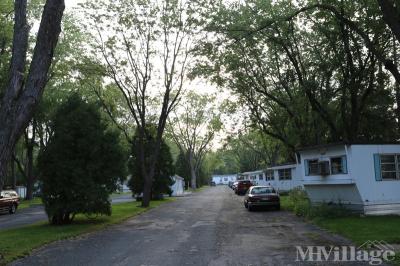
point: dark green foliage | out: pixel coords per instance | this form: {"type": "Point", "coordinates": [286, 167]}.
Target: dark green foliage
{"type": "Point", "coordinates": [163, 171]}
{"type": "Point", "coordinates": [182, 168]}
{"type": "Point", "coordinates": [81, 164]}
{"type": "Point", "coordinates": [298, 202]}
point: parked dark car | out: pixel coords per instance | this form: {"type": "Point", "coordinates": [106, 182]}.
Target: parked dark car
{"type": "Point", "coordinates": [9, 201]}
{"type": "Point", "coordinates": [262, 196]}
{"type": "Point", "coordinates": [212, 184]}
{"type": "Point", "coordinates": [242, 187]}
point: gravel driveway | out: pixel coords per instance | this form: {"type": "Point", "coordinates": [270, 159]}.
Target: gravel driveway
{"type": "Point", "coordinates": [207, 228]}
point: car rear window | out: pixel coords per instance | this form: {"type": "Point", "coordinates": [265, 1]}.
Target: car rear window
{"type": "Point", "coordinates": [262, 190]}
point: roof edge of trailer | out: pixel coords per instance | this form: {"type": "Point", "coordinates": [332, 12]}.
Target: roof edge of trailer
{"type": "Point", "coordinates": [343, 143]}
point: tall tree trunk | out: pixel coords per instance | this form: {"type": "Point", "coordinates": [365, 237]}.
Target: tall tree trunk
{"type": "Point", "coordinates": [193, 177]}
{"type": "Point", "coordinates": [23, 95]}
{"type": "Point", "coordinates": [147, 190]}
{"type": "Point", "coordinates": [31, 180]}
{"type": "Point", "coordinates": [396, 87]}
{"type": "Point", "coordinates": [13, 175]}
{"type": "Point", "coordinates": [30, 145]}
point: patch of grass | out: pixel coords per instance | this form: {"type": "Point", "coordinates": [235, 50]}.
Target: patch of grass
{"type": "Point", "coordinates": [358, 229]}
{"type": "Point", "coordinates": [361, 229]}
{"type": "Point", "coordinates": [19, 242]}
{"type": "Point", "coordinates": [28, 203]}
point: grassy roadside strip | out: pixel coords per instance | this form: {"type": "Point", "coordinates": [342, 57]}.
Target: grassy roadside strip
{"type": "Point", "coordinates": [38, 201]}
{"type": "Point", "coordinates": [28, 203]}
{"type": "Point", "coordinates": [19, 242]}
{"type": "Point", "coordinates": [358, 229]}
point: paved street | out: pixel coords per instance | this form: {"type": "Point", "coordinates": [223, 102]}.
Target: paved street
{"type": "Point", "coordinates": [207, 228]}
{"type": "Point", "coordinates": [37, 214]}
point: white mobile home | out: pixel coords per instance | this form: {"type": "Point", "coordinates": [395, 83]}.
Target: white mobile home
{"type": "Point", "coordinates": [282, 177]}
{"type": "Point", "coordinates": [224, 179]}
{"type": "Point", "coordinates": [363, 177]}
{"type": "Point", "coordinates": [285, 177]}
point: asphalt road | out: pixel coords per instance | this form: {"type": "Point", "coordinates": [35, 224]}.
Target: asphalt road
{"type": "Point", "coordinates": [207, 228]}
{"type": "Point", "coordinates": [37, 214]}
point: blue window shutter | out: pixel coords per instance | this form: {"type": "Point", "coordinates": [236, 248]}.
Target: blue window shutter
{"type": "Point", "coordinates": [377, 164]}
{"type": "Point", "coordinates": [306, 167]}
{"type": "Point", "coordinates": [344, 164]}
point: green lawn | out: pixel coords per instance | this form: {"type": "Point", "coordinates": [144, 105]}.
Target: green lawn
{"type": "Point", "coordinates": [358, 229]}
{"type": "Point", "coordinates": [19, 242]}
{"type": "Point", "coordinates": [361, 229]}
{"type": "Point", "coordinates": [28, 203]}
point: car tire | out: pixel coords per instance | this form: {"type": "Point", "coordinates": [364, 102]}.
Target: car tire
{"type": "Point", "coordinates": [245, 205]}
{"type": "Point", "coordinates": [13, 209]}
{"type": "Point", "coordinates": [249, 208]}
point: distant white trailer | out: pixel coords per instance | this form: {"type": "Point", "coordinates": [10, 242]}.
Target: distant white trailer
{"type": "Point", "coordinates": [224, 179]}
{"type": "Point", "coordinates": [281, 177]}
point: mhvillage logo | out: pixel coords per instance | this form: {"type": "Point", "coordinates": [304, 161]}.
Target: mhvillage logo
{"type": "Point", "coordinates": [373, 252]}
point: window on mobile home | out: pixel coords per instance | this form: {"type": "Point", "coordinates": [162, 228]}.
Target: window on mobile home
{"type": "Point", "coordinates": [269, 175]}
{"type": "Point", "coordinates": [337, 165]}
{"type": "Point", "coordinates": [313, 167]}
{"type": "Point", "coordinates": [390, 166]}
{"type": "Point", "coordinates": [260, 177]}
{"type": "Point", "coordinates": [285, 174]}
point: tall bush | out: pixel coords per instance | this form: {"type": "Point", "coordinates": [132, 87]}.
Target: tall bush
{"type": "Point", "coordinates": [81, 164]}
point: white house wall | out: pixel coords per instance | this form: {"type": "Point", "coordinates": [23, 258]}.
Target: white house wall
{"type": "Point", "coordinates": [376, 195]}
{"type": "Point", "coordinates": [286, 185]}
{"type": "Point", "coordinates": [359, 186]}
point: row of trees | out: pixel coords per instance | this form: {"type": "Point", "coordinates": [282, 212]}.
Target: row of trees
{"type": "Point", "coordinates": [133, 65]}
{"type": "Point", "coordinates": [309, 72]}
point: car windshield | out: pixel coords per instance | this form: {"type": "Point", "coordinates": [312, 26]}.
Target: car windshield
{"type": "Point", "coordinates": [262, 190]}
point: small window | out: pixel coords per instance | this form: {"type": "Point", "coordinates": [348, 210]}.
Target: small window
{"type": "Point", "coordinates": [260, 177]}
{"type": "Point", "coordinates": [269, 175]}
{"type": "Point", "coordinates": [313, 167]}
{"type": "Point", "coordinates": [337, 165]}
{"type": "Point", "coordinates": [225, 179]}
{"type": "Point", "coordinates": [390, 167]}
{"type": "Point", "coordinates": [285, 174]}
{"type": "Point", "coordinates": [253, 177]}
